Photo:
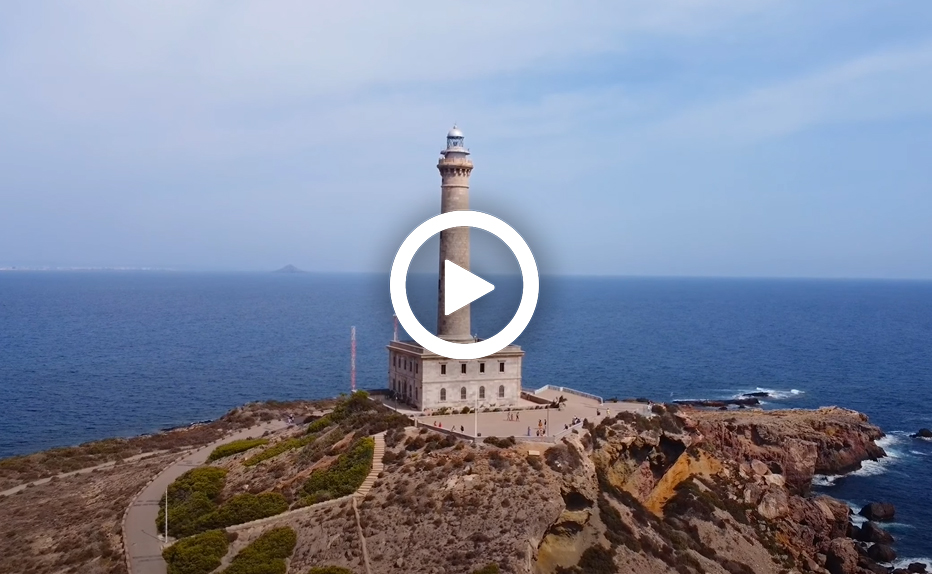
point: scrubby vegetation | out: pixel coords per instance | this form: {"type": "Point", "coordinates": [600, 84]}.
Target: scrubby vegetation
{"type": "Point", "coordinates": [192, 496]}
{"type": "Point", "coordinates": [18, 469]}
{"type": "Point", "coordinates": [193, 504]}
{"type": "Point", "coordinates": [246, 508]}
{"type": "Point", "coordinates": [488, 569]}
{"type": "Point", "coordinates": [500, 442]}
{"type": "Point", "coordinates": [266, 554]}
{"type": "Point", "coordinates": [235, 447]}
{"type": "Point", "coordinates": [279, 448]}
{"type": "Point", "coordinates": [198, 554]}
{"type": "Point", "coordinates": [342, 477]}
{"type": "Point", "coordinates": [329, 570]}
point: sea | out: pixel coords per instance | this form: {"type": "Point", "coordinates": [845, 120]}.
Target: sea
{"type": "Point", "coordinates": [90, 355]}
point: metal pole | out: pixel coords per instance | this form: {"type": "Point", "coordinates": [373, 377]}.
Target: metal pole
{"type": "Point", "coordinates": [477, 414]}
{"type": "Point", "coordinates": [353, 359]}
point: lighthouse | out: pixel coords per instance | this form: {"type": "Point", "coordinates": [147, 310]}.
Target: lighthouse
{"type": "Point", "coordinates": [455, 168]}
{"type": "Point", "coordinates": [424, 380]}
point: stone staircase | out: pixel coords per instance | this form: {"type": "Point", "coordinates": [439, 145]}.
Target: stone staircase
{"type": "Point", "coordinates": [377, 455]}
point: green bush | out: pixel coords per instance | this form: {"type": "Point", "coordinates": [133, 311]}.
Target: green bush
{"type": "Point", "coordinates": [329, 570]}
{"type": "Point", "coordinates": [193, 504]}
{"type": "Point", "coordinates": [320, 424]}
{"type": "Point", "coordinates": [198, 554]}
{"type": "Point", "coordinates": [500, 442]}
{"type": "Point", "coordinates": [488, 569]}
{"type": "Point", "coordinates": [279, 448]}
{"type": "Point", "coordinates": [343, 477]}
{"type": "Point", "coordinates": [266, 554]}
{"type": "Point", "coordinates": [192, 496]}
{"type": "Point", "coordinates": [246, 508]}
{"type": "Point", "coordinates": [236, 447]}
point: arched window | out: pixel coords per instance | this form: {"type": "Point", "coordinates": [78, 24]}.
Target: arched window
{"type": "Point", "coordinates": [481, 392]}
{"type": "Point", "coordinates": [463, 393]}
{"type": "Point", "coordinates": [501, 391]}
{"type": "Point", "coordinates": [443, 394]}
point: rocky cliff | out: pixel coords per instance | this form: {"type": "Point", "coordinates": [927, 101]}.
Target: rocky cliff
{"type": "Point", "coordinates": [684, 491]}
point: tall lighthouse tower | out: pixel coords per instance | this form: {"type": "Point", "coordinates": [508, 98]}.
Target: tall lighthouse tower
{"type": "Point", "coordinates": [455, 168]}
{"type": "Point", "coordinates": [417, 376]}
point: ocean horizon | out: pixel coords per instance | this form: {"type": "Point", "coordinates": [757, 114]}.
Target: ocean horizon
{"type": "Point", "coordinates": [91, 355]}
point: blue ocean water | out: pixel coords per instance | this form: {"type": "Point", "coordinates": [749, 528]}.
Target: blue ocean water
{"type": "Point", "coordinates": [88, 355]}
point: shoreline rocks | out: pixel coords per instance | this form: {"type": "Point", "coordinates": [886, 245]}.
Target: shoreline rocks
{"type": "Point", "coordinates": [878, 512]}
{"type": "Point", "coordinates": [719, 403]}
{"type": "Point", "coordinates": [922, 433]}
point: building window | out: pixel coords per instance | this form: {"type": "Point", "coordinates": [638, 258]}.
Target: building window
{"type": "Point", "coordinates": [443, 394]}
{"type": "Point", "coordinates": [415, 368]}
{"type": "Point", "coordinates": [394, 360]}
{"type": "Point", "coordinates": [463, 393]}
{"type": "Point", "coordinates": [443, 369]}
{"type": "Point", "coordinates": [481, 367]}
{"type": "Point", "coordinates": [481, 392]}
{"type": "Point", "coordinates": [463, 368]}
{"type": "Point", "coordinates": [501, 367]}
{"type": "Point", "coordinates": [501, 391]}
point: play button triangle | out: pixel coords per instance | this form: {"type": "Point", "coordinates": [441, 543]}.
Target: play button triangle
{"type": "Point", "coordinates": [460, 287]}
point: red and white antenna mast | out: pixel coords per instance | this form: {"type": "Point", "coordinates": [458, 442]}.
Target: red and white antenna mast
{"type": "Point", "coordinates": [353, 360]}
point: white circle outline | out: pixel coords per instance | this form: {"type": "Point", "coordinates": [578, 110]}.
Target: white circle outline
{"type": "Point", "coordinates": [399, 275]}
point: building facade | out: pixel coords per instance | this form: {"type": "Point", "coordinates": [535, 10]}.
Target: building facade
{"type": "Point", "coordinates": [425, 380]}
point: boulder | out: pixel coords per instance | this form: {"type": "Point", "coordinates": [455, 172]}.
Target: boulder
{"type": "Point", "coordinates": [871, 532]}
{"type": "Point", "coordinates": [916, 568]}
{"type": "Point", "coordinates": [774, 505]}
{"type": "Point", "coordinates": [869, 565]}
{"type": "Point", "coordinates": [923, 433]}
{"type": "Point", "coordinates": [878, 511]}
{"type": "Point", "coordinates": [881, 553]}
{"type": "Point", "coordinates": [854, 531]}
{"type": "Point", "coordinates": [841, 556]}
{"type": "Point", "coordinates": [775, 479]}
{"type": "Point", "coordinates": [759, 467]}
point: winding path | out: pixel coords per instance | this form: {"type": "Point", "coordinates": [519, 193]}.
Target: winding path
{"type": "Point", "coordinates": [141, 542]}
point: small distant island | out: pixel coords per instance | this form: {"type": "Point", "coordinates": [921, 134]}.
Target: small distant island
{"type": "Point", "coordinates": [289, 269]}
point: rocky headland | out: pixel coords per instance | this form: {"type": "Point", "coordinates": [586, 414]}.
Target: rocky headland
{"type": "Point", "coordinates": [683, 490]}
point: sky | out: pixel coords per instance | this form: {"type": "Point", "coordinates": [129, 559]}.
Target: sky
{"type": "Point", "coordinates": [750, 138]}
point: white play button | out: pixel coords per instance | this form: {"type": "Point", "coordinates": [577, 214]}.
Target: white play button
{"type": "Point", "coordinates": [461, 287]}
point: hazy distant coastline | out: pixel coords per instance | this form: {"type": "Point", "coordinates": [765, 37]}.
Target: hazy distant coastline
{"type": "Point", "coordinates": [87, 269]}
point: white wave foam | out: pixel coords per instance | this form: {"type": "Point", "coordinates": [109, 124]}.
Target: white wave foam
{"type": "Point", "coordinates": [872, 467]}
{"type": "Point", "coordinates": [904, 562]}
{"type": "Point", "coordinates": [771, 393]}
{"type": "Point", "coordinates": [919, 453]}
{"type": "Point", "coordinates": [825, 479]}
{"type": "Point", "coordinates": [856, 518]}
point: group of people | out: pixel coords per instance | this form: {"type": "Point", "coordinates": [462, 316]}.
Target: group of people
{"type": "Point", "coordinates": [541, 429]}
{"type": "Point", "coordinates": [574, 422]}
{"type": "Point", "coordinates": [439, 425]}
{"type": "Point", "coordinates": [513, 416]}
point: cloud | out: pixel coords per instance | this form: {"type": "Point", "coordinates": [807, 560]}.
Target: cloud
{"type": "Point", "coordinates": [887, 84]}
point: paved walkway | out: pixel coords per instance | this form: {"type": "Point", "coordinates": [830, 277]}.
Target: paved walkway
{"type": "Point", "coordinates": [529, 421]}
{"type": "Point", "coordinates": [140, 539]}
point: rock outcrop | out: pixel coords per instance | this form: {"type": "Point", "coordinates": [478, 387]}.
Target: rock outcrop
{"type": "Point", "coordinates": [878, 511]}
{"type": "Point", "coordinates": [871, 532]}
{"type": "Point", "coordinates": [797, 444]}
